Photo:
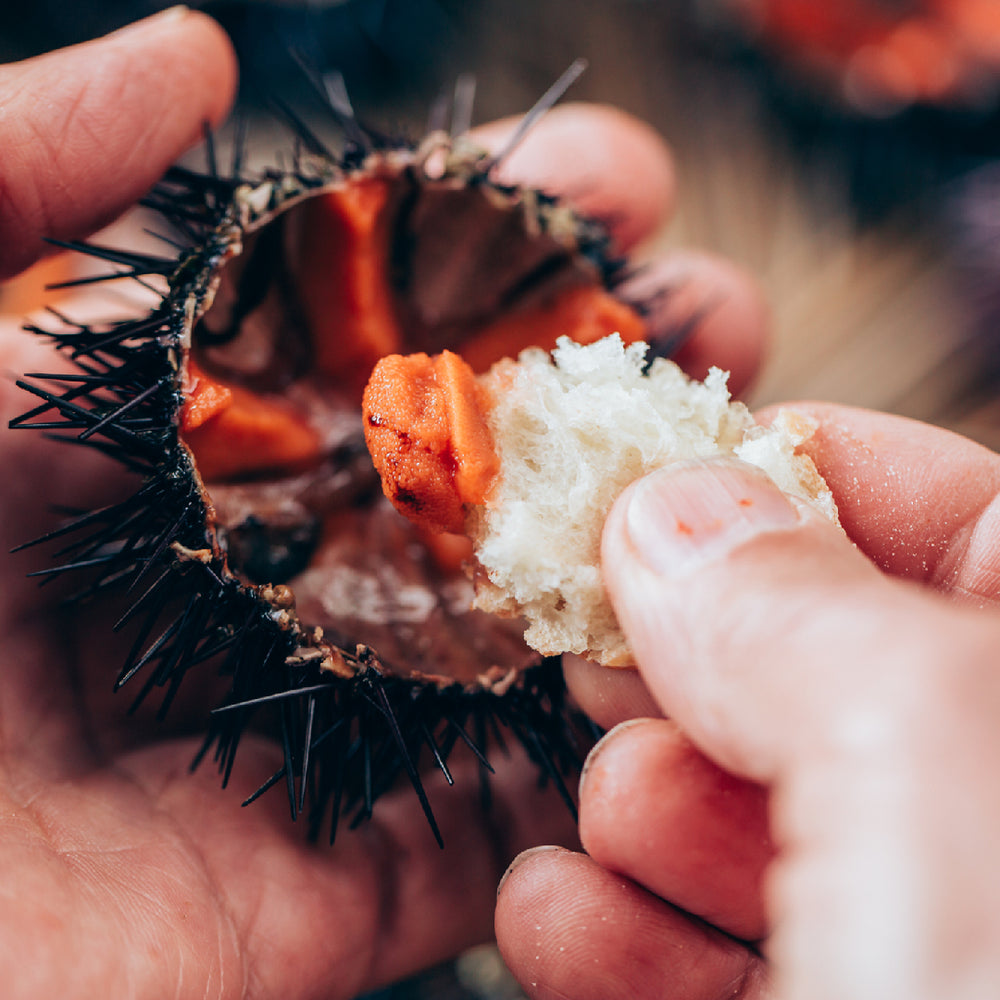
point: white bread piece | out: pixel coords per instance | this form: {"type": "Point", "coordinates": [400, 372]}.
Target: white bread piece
{"type": "Point", "coordinates": [572, 430]}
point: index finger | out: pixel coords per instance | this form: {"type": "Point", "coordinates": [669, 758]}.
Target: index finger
{"type": "Point", "coordinates": [918, 500]}
{"type": "Point", "coordinates": [87, 130]}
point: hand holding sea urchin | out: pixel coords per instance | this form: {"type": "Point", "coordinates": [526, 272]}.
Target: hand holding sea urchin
{"type": "Point", "coordinates": [539, 449]}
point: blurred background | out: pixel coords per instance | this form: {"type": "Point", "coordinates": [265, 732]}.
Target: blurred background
{"type": "Point", "coordinates": [842, 152]}
{"type": "Point", "coordinates": [847, 153]}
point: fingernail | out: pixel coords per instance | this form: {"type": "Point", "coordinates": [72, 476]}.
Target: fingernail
{"type": "Point", "coordinates": [524, 856]}
{"type": "Point", "coordinates": [159, 19]}
{"type": "Point", "coordinates": [685, 516]}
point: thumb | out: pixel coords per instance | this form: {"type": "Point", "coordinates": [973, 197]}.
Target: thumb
{"type": "Point", "coordinates": [867, 704]}
{"type": "Point", "coordinates": [758, 626]}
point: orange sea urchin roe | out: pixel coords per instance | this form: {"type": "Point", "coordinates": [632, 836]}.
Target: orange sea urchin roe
{"type": "Point", "coordinates": [588, 313]}
{"type": "Point", "coordinates": [234, 432]}
{"type": "Point", "coordinates": [426, 429]}
{"type": "Point", "coordinates": [343, 283]}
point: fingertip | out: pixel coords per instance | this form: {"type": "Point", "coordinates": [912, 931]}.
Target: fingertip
{"type": "Point", "coordinates": [893, 479]}
{"type": "Point", "coordinates": [605, 759]}
{"type": "Point", "coordinates": [566, 926]}
{"type": "Point", "coordinates": [736, 329]}
{"type": "Point", "coordinates": [747, 612]}
{"type": "Point", "coordinates": [716, 307]}
{"type": "Point", "coordinates": [607, 695]}
{"type": "Point", "coordinates": [192, 39]}
{"type": "Point", "coordinates": [522, 864]}
{"type": "Point", "coordinates": [182, 73]}
{"type": "Point", "coordinates": [611, 165]}
{"type": "Point", "coordinates": [654, 808]}
{"type": "Point", "coordinates": [212, 57]}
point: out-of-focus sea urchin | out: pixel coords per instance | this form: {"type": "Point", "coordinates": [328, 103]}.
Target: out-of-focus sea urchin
{"type": "Point", "coordinates": [258, 543]}
{"type": "Point", "coordinates": [886, 55]}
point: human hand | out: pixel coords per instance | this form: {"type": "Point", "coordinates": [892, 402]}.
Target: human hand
{"type": "Point", "coordinates": [122, 872]}
{"type": "Point", "coordinates": [848, 695]}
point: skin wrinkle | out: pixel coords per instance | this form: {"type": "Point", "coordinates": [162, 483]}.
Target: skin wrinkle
{"type": "Point", "coordinates": [138, 142]}
{"type": "Point", "coordinates": [150, 125]}
{"type": "Point", "coordinates": [958, 557]}
{"type": "Point", "coordinates": [556, 994]}
{"type": "Point", "coordinates": [252, 981]}
{"type": "Point", "coordinates": [43, 827]}
{"type": "Point", "coordinates": [53, 138]}
{"type": "Point", "coordinates": [108, 886]}
{"type": "Point", "coordinates": [220, 959]}
{"type": "Point", "coordinates": [56, 135]}
{"type": "Point", "coordinates": [151, 128]}
{"type": "Point", "coordinates": [224, 911]}
{"type": "Point", "coordinates": [21, 749]}
{"type": "Point", "coordinates": [70, 859]}
{"type": "Point", "coordinates": [180, 979]}
{"type": "Point", "coordinates": [27, 810]}
{"type": "Point", "coordinates": [12, 217]}
{"type": "Point", "coordinates": [956, 554]}
{"type": "Point", "coordinates": [748, 985]}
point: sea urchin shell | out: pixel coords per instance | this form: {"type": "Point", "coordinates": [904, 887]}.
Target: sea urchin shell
{"type": "Point", "coordinates": [258, 543]}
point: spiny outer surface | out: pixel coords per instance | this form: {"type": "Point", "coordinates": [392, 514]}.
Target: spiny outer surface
{"type": "Point", "coordinates": [348, 728]}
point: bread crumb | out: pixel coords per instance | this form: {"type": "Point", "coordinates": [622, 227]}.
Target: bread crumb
{"type": "Point", "coordinates": [572, 430]}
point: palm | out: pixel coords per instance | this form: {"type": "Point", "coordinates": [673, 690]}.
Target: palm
{"type": "Point", "coordinates": [105, 836]}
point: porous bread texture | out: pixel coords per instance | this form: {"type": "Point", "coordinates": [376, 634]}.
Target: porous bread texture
{"type": "Point", "coordinates": [573, 429]}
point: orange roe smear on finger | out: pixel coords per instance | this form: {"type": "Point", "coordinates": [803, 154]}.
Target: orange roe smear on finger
{"type": "Point", "coordinates": [425, 426]}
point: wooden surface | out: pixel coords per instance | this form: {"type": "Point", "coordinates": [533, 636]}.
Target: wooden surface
{"type": "Point", "coordinates": [870, 315]}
